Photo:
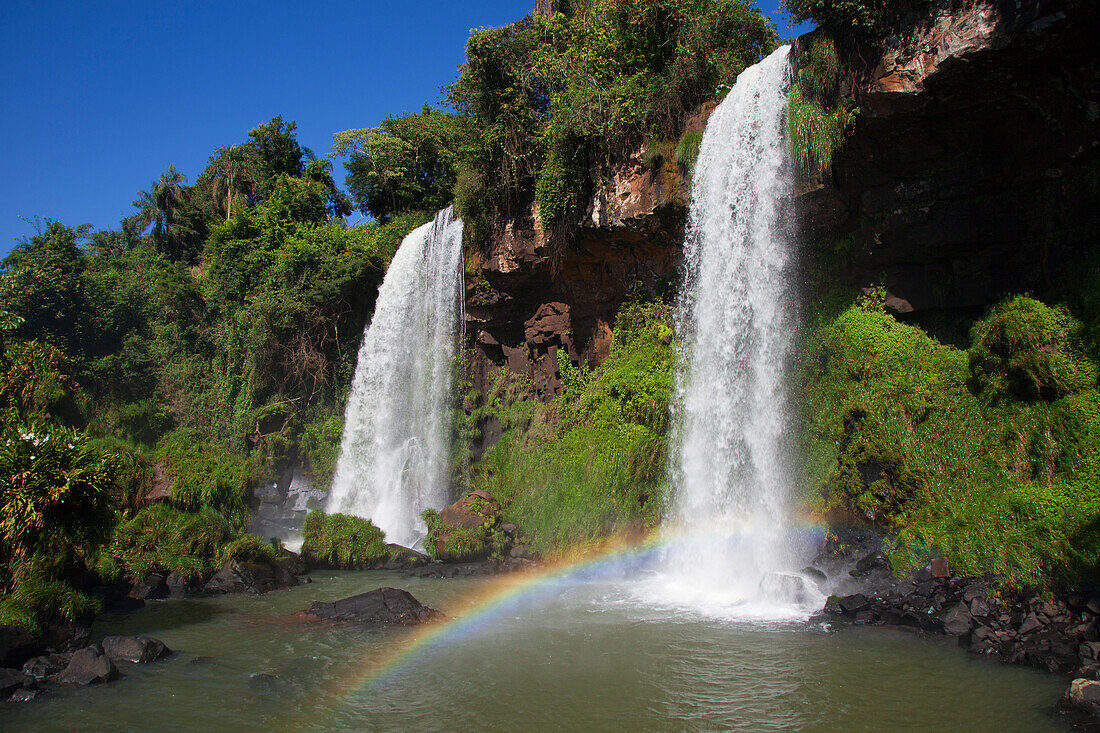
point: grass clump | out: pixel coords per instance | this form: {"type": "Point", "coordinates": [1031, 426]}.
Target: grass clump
{"type": "Point", "coordinates": [206, 475]}
{"type": "Point", "coordinates": [687, 150]}
{"type": "Point", "coordinates": [816, 121]}
{"type": "Point", "coordinates": [896, 438]}
{"type": "Point", "coordinates": [590, 462]}
{"type": "Point", "coordinates": [166, 539]}
{"type": "Point", "coordinates": [342, 541]}
{"type": "Point", "coordinates": [249, 548]}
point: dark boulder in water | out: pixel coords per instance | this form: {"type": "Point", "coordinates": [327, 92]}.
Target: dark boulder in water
{"type": "Point", "coordinates": [136, 649]}
{"type": "Point", "coordinates": [250, 577]}
{"type": "Point", "coordinates": [390, 606]}
{"type": "Point", "coordinates": [87, 666]}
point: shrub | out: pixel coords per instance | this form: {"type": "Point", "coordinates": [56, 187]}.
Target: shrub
{"type": "Point", "coordinates": [342, 541]}
{"type": "Point", "coordinates": [248, 548]}
{"type": "Point", "coordinates": [460, 544]}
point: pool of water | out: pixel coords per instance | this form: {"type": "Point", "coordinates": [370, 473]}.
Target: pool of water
{"type": "Point", "coordinates": [587, 655]}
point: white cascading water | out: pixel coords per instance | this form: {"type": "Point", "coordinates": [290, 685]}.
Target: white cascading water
{"type": "Point", "coordinates": [396, 450]}
{"type": "Point", "coordinates": [736, 323]}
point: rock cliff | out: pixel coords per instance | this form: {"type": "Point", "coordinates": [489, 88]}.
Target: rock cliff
{"type": "Point", "coordinates": [972, 169]}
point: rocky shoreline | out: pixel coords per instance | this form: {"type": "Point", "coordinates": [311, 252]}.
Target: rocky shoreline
{"type": "Point", "coordinates": [1056, 632]}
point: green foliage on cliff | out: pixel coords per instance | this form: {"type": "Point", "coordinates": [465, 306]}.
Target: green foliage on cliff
{"type": "Point", "coordinates": [460, 544]}
{"type": "Point", "coordinates": [896, 437]}
{"type": "Point", "coordinates": [816, 121]}
{"type": "Point", "coordinates": [551, 100]}
{"type": "Point", "coordinates": [864, 18]}
{"type": "Point", "coordinates": [342, 541]}
{"type": "Point", "coordinates": [591, 461]}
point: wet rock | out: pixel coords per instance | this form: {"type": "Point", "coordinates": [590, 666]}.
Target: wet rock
{"type": "Point", "coordinates": [957, 620]}
{"type": "Point", "coordinates": [380, 606]}
{"type": "Point", "coordinates": [1085, 696]}
{"type": "Point", "coordinates": [136, 649]}
{"type": "Point", "coordinates": [88, 666]}
{"type": "Point", "coordinates": [264, 680]}
{"type": "Point", "coordinates": [1030, 624]}
{"type": "Point", "coordinates": [12, 680]}
{"type": "Point", "coordinates": [116, 599]}
{"type": "Point", "coordinates": [853, 603]}
{"type": "Point", "coordinates": [814, 574]}
{"type": "Point", "coordinates": [23, 695]}
{"type": "Point", "coordinates": [151, 588]}
{"type": "Point", "coordinates": [786, 588]}
{"type": "Point", "coordinates": [240, 576]}
{"type": "Point", "coordinates": [17, 646]}
{"type": "Point", "coordinates": [43, 666]}
{"type": "Point", "coordinates": [181, 586]}
{"type": "Point", "coordinates": [939, 568]}
{"type": "Point", "coordinates": [402, 558]}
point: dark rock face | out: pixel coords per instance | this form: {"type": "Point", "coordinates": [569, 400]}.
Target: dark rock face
{"type": "Point", "coordinates": [969, 172]}
{"type": "Point", "coordinates": [87, 666]}
{"type": "Point", "coordinates": [17, 646]}
{"type": "Point", "coordinates": [136, 649]}
{"type": "Point", "coordinates": [283, 505]}
{"type": "Point", "coordinates": [250, 577]}
{"type": "Point", "coordinates": [116, 599]}
{"type": "Point", "coordinates": [403, 558]}
{"type": "Point", "coordinates": [1084, 695]}
{"type": "Point", "coordinates": [389, 606]}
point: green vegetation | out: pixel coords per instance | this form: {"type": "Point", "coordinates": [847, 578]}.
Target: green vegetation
{"type": "Point", "coordinates": [872, 19]}
{"type": "Point", "coordinates": [589, 462]}
{"type": "Point", "coordinates": [342, 541]}
{"type": "Point", "coordinates": [165, 539]}
{"type": "Point", "coordinates": [552, 100]}
{"type": "Point", "coordinates": [816, 120]}
{"type": "Point", "coordinates": [989, 458]}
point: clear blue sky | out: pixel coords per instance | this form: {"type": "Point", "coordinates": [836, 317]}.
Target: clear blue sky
{"type": "Point", "coordinates": [99, 97]}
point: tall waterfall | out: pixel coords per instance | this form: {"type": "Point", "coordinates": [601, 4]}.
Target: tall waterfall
{"type": "Point", "coordinates": [395, 454]}
{"type": "Point", "coordinates": [735, 320]}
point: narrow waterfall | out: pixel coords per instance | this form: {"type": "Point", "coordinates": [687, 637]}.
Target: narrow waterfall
{"type": "Point", "coordinates": [395, 454]}
{"type": "Point", "coordinates": [735, 321]}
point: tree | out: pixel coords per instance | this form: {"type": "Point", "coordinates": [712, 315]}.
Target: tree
{"type": "Point", "coordinates": [164, 207]}
{"type": "Point", "coordinates": [406, 163]}
{"type": "Point", "coordinates": [236, 176]}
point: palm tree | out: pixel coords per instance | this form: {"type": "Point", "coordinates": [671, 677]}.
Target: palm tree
{"type": "Point", "coordinates": [163, 206]}
{"type": "Point", "coordinates": [236, 176]}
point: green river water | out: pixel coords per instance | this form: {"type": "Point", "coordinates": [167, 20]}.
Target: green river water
{"type": "Point", "coordinates": [584, 656]}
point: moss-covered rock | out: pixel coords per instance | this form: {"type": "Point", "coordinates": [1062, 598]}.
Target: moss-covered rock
{"type": "Point", "coordinates": [1029, 351]}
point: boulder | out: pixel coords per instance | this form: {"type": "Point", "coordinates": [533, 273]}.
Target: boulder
{"type": "Point", "coordinates": [939, 568]}
{"type": "Point", "coordinates": [402, 558]}
{"type": "Point", "coordinates": [380, 606]}
{"type": "Point", "coordinates": [853, 603]}
{"type": "Point", "coordinates": [136, 649]}
{"type": "Point", "coordinates": [181, 586]}
{"type": "Point", "coordinates": [250, 577]}
{"type": "Point", "coordinates": [474, 510]}
{"type": "Point", "coordinates": [87, 666]}
{"type": "Point", "coordinates": [43, 666]}
{"type": "Point", "coordinates": [152, 587]}
{"type": "Point", "coordinates": [17, 646]}
{"type": "Point", "coordinates": [1085, 695]}
{"type": "Point", "coordinates": [12, 680]}
{"type": "Point", "coordinates": [957, 620]}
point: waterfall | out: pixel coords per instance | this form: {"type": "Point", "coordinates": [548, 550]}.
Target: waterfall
{"type": "Point", "coordinates": [735, 322]}
{"type": "Point", "coordinates": [395, 454]}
